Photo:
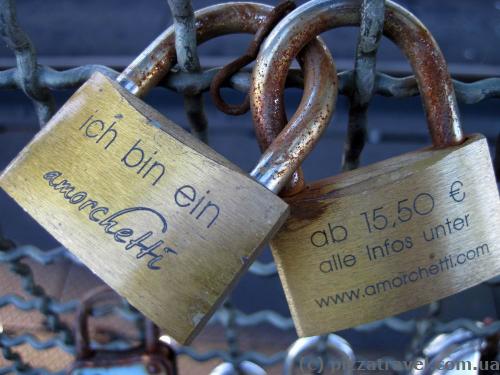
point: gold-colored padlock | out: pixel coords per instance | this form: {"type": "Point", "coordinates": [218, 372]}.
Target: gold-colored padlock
{"type": "Point", "coordinates": [394, 235]}
{"type": "Point", "coordinates": [163, 219]}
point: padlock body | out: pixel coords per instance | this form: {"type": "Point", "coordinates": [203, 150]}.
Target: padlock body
{"type": "Point", "coordinates": [390, 237]}
{"type": "Point", "coordinates": [162, 218]}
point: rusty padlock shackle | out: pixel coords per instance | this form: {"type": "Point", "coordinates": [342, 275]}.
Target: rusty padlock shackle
{"type": "Point", "coordinates": [82, 337]}
{"type": "Point", "coordinates": [159, 57]}
{"type": "Point", "coordinates": [317, 16]}
{"type": "Point", "coordinates": [154, 63]}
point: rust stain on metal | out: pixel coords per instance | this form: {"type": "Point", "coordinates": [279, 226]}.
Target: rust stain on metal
{"type": "Point", "coordinates": [309, 205]}
{"type": "Point", "coordinates": [431, 72]}
{"type": "Point", "coordinates": [222, 19]}
{"type": "Point", "coordinates": [400, 26]}
{"type": "Point", "coordinates": [251, 53]}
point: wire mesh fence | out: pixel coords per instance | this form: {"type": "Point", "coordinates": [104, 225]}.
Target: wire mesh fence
{"type": "Point", "coordinates": [189, 79]}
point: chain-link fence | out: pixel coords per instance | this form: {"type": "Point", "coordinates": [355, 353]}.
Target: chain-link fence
{"type": "Point", "coordinates": [190, 80]}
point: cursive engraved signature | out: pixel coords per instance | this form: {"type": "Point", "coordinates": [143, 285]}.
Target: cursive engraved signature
{"type": "Point", "coordinates": [110, 223]}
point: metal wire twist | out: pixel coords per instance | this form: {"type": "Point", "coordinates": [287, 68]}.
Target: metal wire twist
{"type": "Point", "coordinates": [27, 66]}
{"type": "Point", "coordinates": [187, 58]}
{"type": "Point", "coordinates": [364, 74]}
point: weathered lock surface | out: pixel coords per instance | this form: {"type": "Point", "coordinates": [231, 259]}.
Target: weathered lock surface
{"type": "Point", "coordinates": [395, 235]}
{"type": "Point", "coordinates": [164, 221]}
{"type": "Point", "coordinates": [160, 217]}
{"type": "Point", "coordinates": [150, 357]}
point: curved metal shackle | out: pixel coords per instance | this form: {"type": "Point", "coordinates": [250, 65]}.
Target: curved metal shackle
{"type": "Point", "coordinates": [287, 150]}
{"type": "Point", "coordinates": [154, 63]}
{"type": "Point", "coordinates": [89, 300]}
{"type": "Point", "coordinates": [98, 295]}
{"type": "Point", "coordinates": [403, 28]}
{"type": "Point", "coordinates": [243, 17]}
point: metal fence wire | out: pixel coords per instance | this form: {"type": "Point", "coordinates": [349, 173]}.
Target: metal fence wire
{"type": "Point", "coordinates": [190, 80]}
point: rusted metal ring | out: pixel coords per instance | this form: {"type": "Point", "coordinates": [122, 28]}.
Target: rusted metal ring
{"type": "Point", "coordinates": [317, 16]}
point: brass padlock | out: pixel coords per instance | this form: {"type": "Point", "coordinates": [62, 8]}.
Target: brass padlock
{"type": "Point", "coordinates": [151, 357]}
{"type": "Point", "coordinates": [163, 219]}
{"type": "Point", "coordinates": [394, 235]}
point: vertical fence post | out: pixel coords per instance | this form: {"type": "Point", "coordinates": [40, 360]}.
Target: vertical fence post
{"type": "Point", "coordinates": [27, 66]}
{"type": "Point", "coordinates": [370, 32]}
{"type": "Point", "coordinates": [187, 58]}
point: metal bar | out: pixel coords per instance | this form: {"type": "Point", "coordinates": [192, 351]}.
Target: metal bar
{"type": "Point", "coordinates": [37, 304]}
{"type": "Point", "coordinates": [33, 252]}
{"type": "Point", "coordinates": [187, 58]}
{"type": "Point", "coordinates": [224, 314]}
{"type": "Point", "coordinates": [19, 42]}
{"type": "Point", "coordinates": [469, 71]}
{"type": "Point", "coordinates": [231, 334]}
{"type": "Point", "coordinates": [35, 342]}
{"type": "Point", "coordinates": [181, 82]}
{"type": "Point", "coordinates": [497, 158]}
{"type": "Point", "coordinates": [370, 33]}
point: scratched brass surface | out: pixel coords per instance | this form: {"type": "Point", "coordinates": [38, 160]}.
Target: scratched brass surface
{"type": "Point", "coordinates": [390, 237]}
{"type": "Point", "coordinates": [160, 217]}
